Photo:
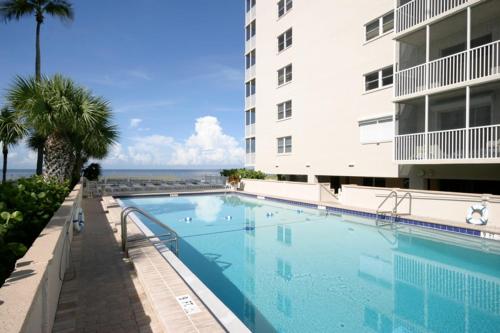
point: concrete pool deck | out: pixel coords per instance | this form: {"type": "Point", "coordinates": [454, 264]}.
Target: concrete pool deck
{"type": "Point", "coordinates": [107, 293]}
{"type": "Point", "coordinates": [101, 293]}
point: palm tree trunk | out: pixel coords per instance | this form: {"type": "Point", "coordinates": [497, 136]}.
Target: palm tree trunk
{"type": "Point", "coordinates": [5, 151]}
{"type": "Point", "coordinates": [38, 76]}
{"type": "Point", "coordinates": [38, 70]}
{"type": "Point", "coordinates": [39, 161]}
{"type": "Point", "coordinates": [58, 159]}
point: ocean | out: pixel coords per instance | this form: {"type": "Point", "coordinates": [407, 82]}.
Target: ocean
{"type": "Point", "coordinates": [177, 173]}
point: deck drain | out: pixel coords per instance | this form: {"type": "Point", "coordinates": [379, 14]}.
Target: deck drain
{"type": "Point", "coordinates": [187, 304]}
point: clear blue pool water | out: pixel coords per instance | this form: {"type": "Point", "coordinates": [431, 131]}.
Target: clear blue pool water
{"type": "Point", "coordinates": [299, 270]}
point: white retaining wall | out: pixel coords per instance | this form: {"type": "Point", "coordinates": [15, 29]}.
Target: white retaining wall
{"type": "Point", "coordinates": [431, 204]}
{"type": "Point", "coordinates": [29, 297]}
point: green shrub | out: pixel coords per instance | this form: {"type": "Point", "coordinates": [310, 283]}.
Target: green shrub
{"type": "Point", "coordinates": [26, 206]}
{"type": "Point", "coordinates": [235, 175]}
{"type": "Point", "coordinates": [92, 172]}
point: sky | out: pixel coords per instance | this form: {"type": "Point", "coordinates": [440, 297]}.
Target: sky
{"type": "Point", "coordinates": [172, 71]}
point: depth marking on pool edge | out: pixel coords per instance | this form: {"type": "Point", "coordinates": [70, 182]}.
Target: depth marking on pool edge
{"type": "Point", "coordinates": [187, 304]}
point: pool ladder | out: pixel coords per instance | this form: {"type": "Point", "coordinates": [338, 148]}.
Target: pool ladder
{"type": "Point", "coordinates": [393, 213]}
{"type": "Point", "coordinates": [171, 234]}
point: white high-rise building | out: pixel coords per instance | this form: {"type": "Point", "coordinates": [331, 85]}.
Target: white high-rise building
{"type": "Point", "coordinates": [376, 92]}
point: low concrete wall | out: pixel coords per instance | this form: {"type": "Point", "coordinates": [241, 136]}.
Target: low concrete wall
{"type": "Point", "coordinates": [431, 204]}
{"type": "Point", "coordinates": [29, 297]}
{"type": "Point", "coordinates": [290, 190]}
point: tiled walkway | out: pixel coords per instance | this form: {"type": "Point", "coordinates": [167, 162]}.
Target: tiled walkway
{"type": "Point", "coordinates": [101, 293]}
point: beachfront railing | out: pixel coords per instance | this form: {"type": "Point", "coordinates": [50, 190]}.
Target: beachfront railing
{"type": "Point", "coordinates": [484, 61]}
{"type": "Point", "coordinates": [458, 144]}
{"type": "Point", "coordinates": [416, 12]}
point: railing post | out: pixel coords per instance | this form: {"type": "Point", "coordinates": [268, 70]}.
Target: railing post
{"type": "Point", "coordinates": [468, 70]}
{"type": "Point", "coordinates": [467, 121]}
{"type": "Point", "coordinates": [426, 134]}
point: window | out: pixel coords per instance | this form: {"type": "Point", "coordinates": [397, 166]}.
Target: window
{"type": "Point", "coordinates": [250, 117]}
{"type": "Point", "coordinates": [388, 22]}
{"type": "Point", "coordinates": [284, 7]}
{"type": "Point", "coordinates": [372, 29]}
{"type": "Point", "coordinates": [285, 75]}
{"type": "Point", "coordinates": [251, 29]}
{"type": "Point", "coordinates": [250, 88]}
{"type": "Point", "coordinates": [285, 40]}
{"type": "Point", "coordinates": [387, 76]}
{"type": "Point", "coordinates": [381, 78]}
{"type": "Point", "coordinates": [250, 145]}
{"type": "Point", "coordinates": [284, 110]}
{"type": "Point", "coordinates": [379, 26]}
{"type": "Point", "coordinates": [376, 130]}
{"type": "Point", "coordinates": [250, 4]}
{"type": "Point", "coordinates": [250, 59]}
{"type": "Point", "coordinates": [284, 145]}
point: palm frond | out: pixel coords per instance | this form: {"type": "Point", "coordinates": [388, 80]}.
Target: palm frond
{"type": "Point", "coordinates": [12, 126]}
{"type": "Point", "coordinates": [16, 9]}
{"type": "Point", "coordinates": [60, 8]}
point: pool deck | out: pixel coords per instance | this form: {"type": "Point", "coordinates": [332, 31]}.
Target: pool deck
{"type": "Point", "coordinates": [107, 293]}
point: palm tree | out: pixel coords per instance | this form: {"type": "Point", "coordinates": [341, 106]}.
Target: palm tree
{"type": "Point", "coordinates": [16, 9]}
{"type": "Point", "coordinates": [12, 130]}
{"type": "Point", "coordinates": [74, 124]}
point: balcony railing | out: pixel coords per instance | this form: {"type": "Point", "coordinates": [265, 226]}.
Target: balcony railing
{"type": "Point", "coordinates": [418, 11]}
{"type": "Point", "coordinates": [250, 101]}
{"type": "Point", "coordinates": [250, 159]}
{"type": "Point", "coordinates": [458, 144]}
{"type": "Point", "coordinates": [250, 130]}
{"type": "Point", "coordinates": [450, 70]}
{"type": "Point", "coordinates": [250, 73]}
{"type": "Point", "coordinates": [250, 15]}
{"type": "Point", "coordinates": [250, 44]}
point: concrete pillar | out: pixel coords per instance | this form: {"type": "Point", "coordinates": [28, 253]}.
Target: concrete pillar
{"type": "Point", "coordinates": [312, 179]}
{"type": "Point", "coordinates": [417, 179]}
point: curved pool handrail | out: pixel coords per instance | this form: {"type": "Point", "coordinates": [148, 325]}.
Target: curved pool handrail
{"type": "Point", "coordinates": [132, 209]}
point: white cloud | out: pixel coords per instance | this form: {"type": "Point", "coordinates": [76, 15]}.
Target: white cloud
{"type": "Point", "coordinates": [21, 157]}
{"type": "Point", "coordinates": [207, 146]}
{"type": "Point", "coordinates": [135, 122]}
{"type": "Point", "coordinates": [138, 74]}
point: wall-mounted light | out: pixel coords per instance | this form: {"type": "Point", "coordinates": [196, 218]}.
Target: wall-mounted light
{"type": "Point", "coordinates": [308, 166]}
{"type": "Point", "coordinates": [351, 165]}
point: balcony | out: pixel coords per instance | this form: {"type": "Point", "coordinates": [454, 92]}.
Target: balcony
{"type": "Point", "coordinates": [250, 73]}
{"type": "Point", "coordinates": [250, 44]}
{"type": "Point", "coordinates": [250, 15]}
{"type": "Point", "coordinates": [250, 159]}
{"type": "Point", "coordinates": [482, 62]}
{"type": "Point", "coordinates": [477, 143]}
{"type": "Point", "coordinates": [250, 102]}
{"type": "Point", "coordinates": [416, 12]}
{"type": "Point", "coordinates": [250, 130]}
{"type": "Point", "coordinates": [459, 126]}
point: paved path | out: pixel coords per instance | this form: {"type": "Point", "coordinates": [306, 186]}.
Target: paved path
{"type": "Point", "coordinates": [101, 293]}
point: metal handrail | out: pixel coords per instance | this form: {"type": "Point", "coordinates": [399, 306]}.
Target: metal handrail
{"type": "Point", "coordinates": [410, 198]}
{"type": "Point", "coordinates": [393, 193]}
{"type": "Point", "coordinates": [123, 220]}
{"type": "Point", "coordinates": [397, 202]}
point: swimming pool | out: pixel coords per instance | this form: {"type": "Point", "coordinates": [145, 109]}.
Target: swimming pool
{"type": "Point", "coordinates": [285, 268]}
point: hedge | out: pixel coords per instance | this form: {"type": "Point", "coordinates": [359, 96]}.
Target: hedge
{"type": "Point", "coordinates": [26, 206]}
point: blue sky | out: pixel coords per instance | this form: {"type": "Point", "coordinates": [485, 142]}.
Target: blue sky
{"type": "Point", "coordinates": [173, 71]}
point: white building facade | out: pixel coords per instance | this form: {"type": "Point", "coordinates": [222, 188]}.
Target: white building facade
{"type": "Point", "coordinates": [387, 93]}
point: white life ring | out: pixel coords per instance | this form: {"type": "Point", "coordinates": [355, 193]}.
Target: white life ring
{"type": "Point", "coordinates": [479, 209]}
